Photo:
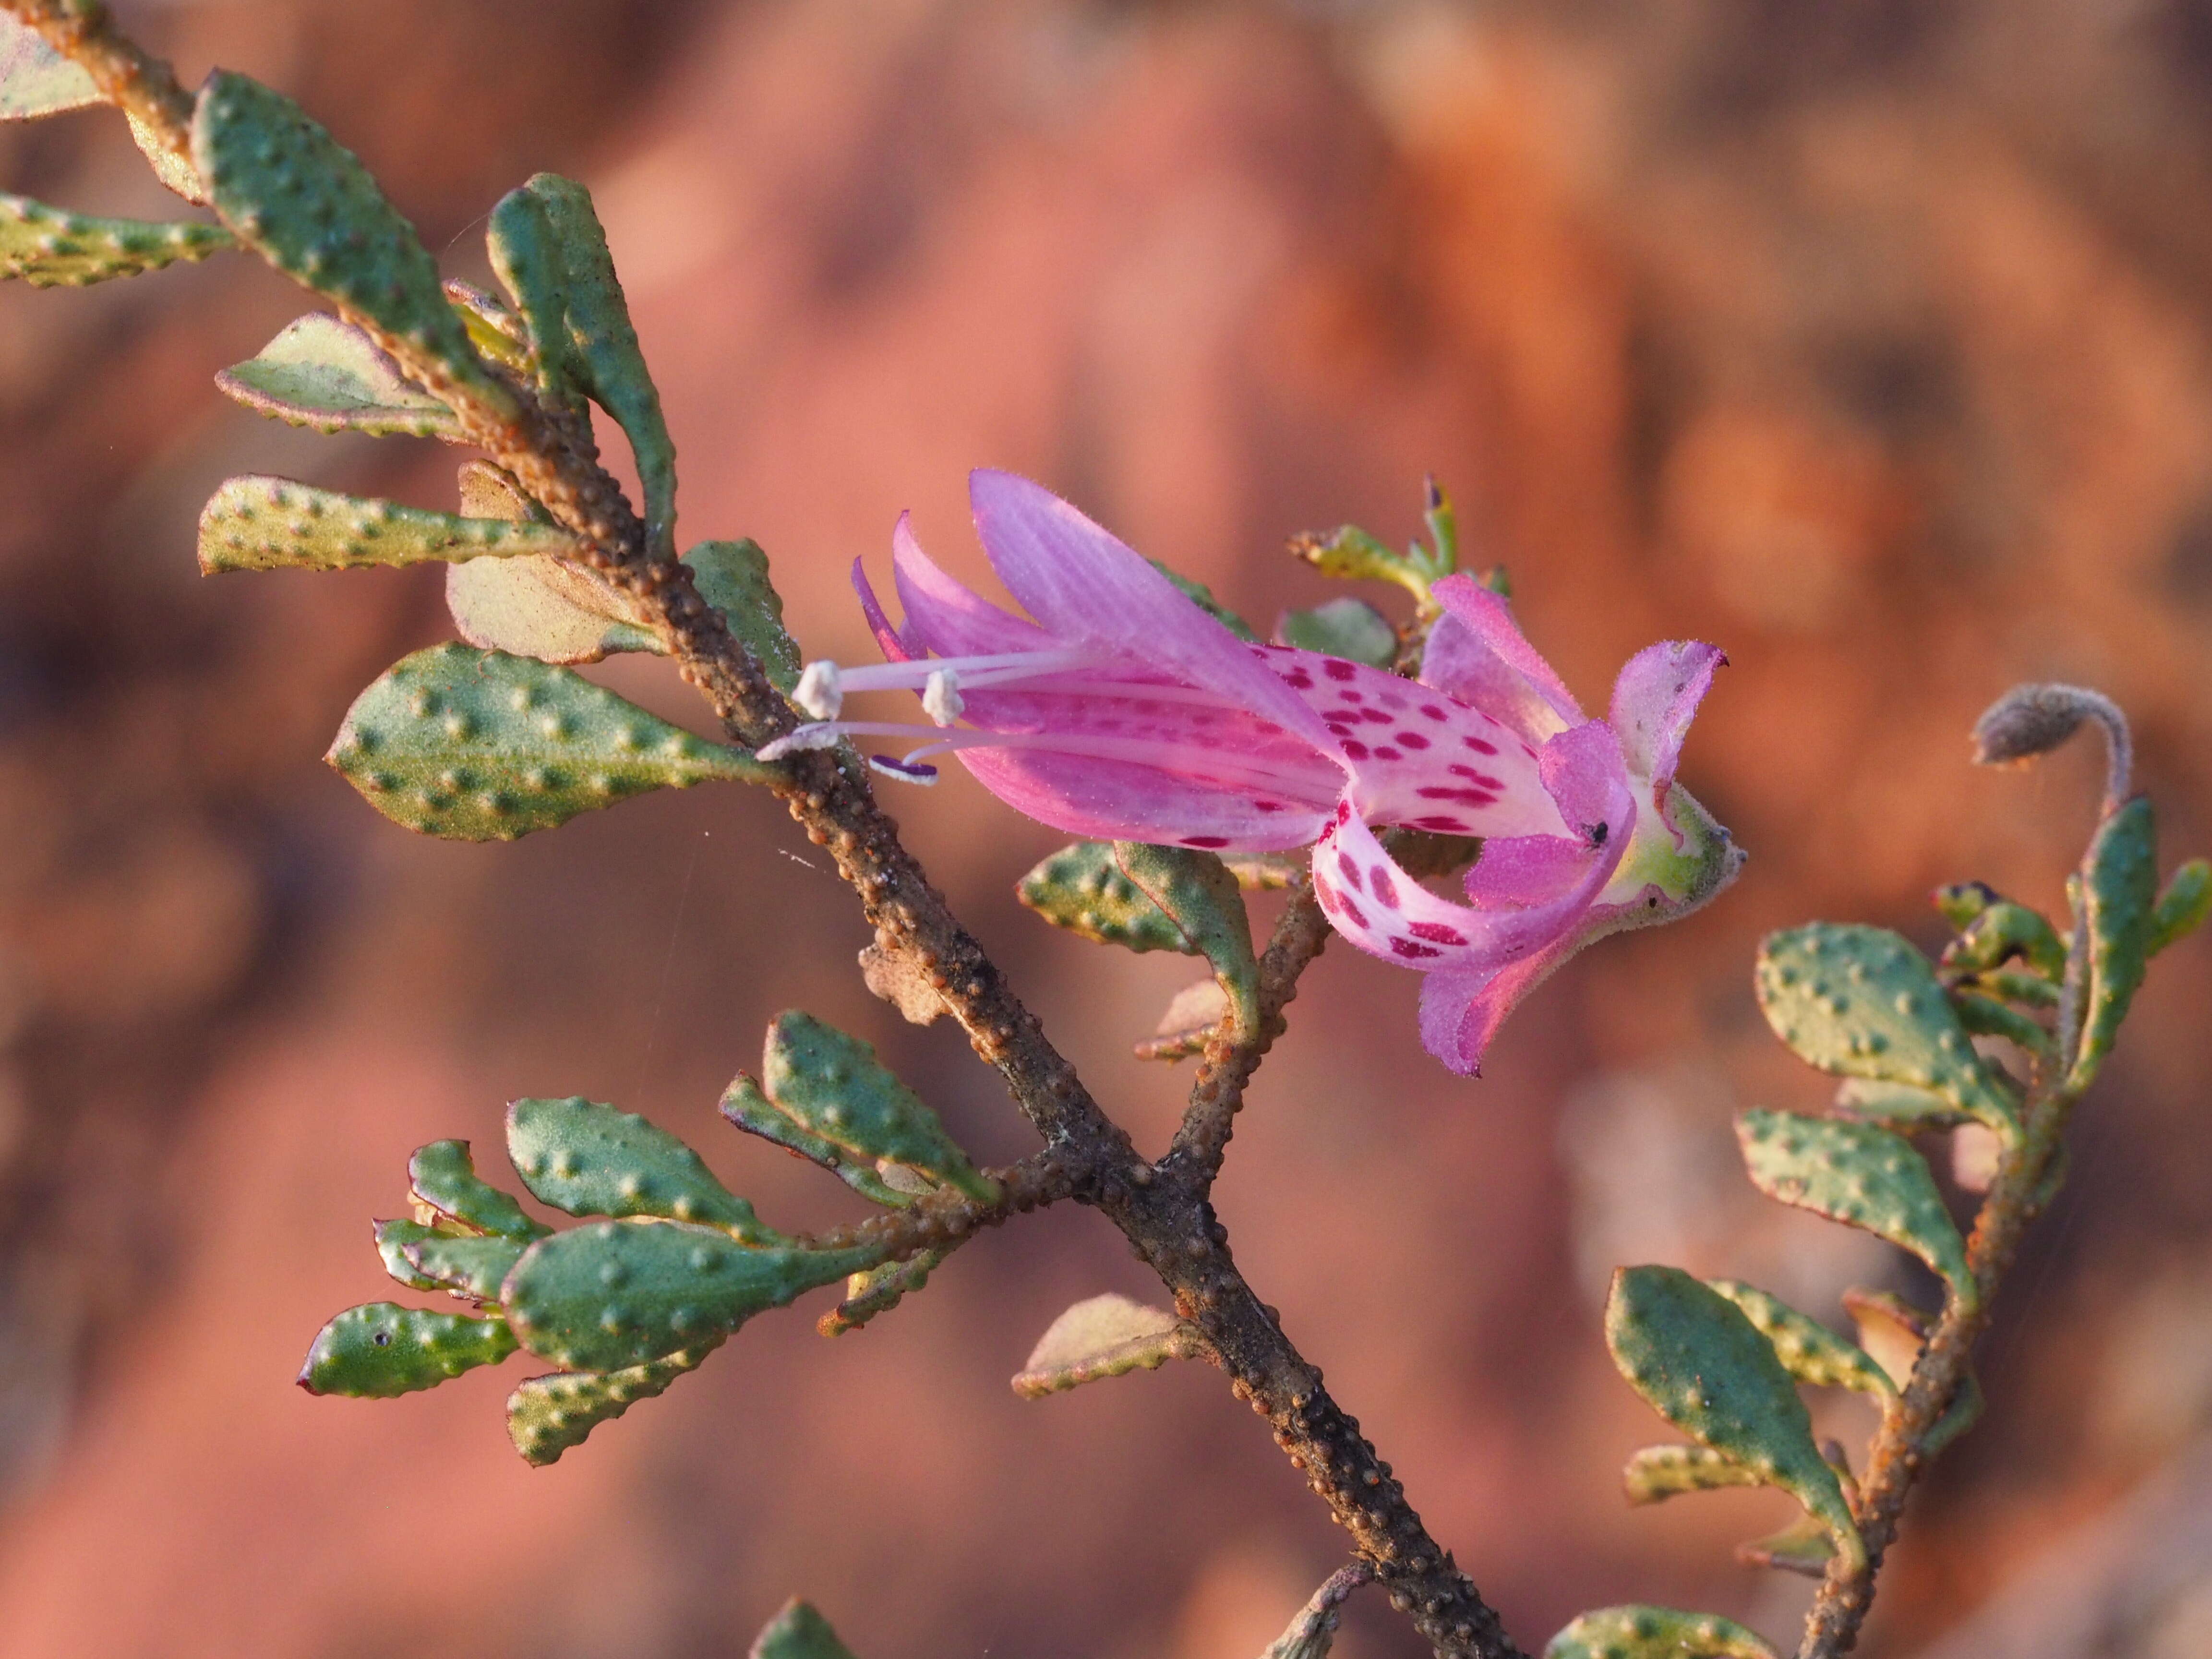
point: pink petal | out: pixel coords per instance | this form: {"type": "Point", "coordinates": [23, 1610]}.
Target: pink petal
{"type": "Point", "coordinates": [946, 618]}
{"type": "Point", "coordinates": [1461, 1013]}
{"type": "Point", "coordinates": [1588, 776]}
{"type": "Point", "coordinates": [893, 644]}
{"type": "Point", "coordinates": [1086, 586]}
{"type": "Point", "coordinates": [1477, 653]}
{"type": "Point", "coordinates": [1518, 870]}
{"type": "Point", "coordinates": [1124, 800]}
{"type": "Point", "coordinates": [1654, 701]}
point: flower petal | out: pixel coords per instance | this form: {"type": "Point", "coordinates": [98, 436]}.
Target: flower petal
{"type": "Point", "coordinates": [1126, 800]}
{"type": "Point", "coordinates": [1653, 701]}
{"type": "Point", "coordinates": [1477, 653]}
{"type": "Point", "coordinates": [1461, 1013]}
{"type": "Point", "coordinates": [947, 618]}
{"type": "Point", "coordinates": [1087, 586]}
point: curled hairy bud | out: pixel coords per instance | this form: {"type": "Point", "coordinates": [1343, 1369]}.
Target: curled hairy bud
{"type": "Point", "coordinates": [2033, 719]}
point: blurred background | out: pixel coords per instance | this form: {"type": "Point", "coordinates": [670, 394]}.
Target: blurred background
{"type": "Point", "coordinates": [1873, 342]}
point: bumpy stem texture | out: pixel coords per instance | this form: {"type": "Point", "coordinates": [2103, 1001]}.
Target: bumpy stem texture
{"type": "Point", "coordinates": [1164, 1213]}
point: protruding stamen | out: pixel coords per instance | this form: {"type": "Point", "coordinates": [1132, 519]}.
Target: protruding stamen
{"type": "Point", "coordinates": [806, 736]}
{"type": "Point", "coordinates": [940, 697]}
{"type": "Point", "coordinates": [818, 692]}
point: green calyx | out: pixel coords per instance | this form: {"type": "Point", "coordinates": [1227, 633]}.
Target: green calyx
{"type": "Point", "coordinates": [479, 745]}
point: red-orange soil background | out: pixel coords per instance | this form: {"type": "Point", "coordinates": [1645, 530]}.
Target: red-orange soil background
{"type": "Point", "coordinates": [1873, 342]}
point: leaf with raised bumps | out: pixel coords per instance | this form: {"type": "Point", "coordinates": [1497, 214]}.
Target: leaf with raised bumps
{"type": "Point", "coordinates": [547, 1415]}
{"type": "Point", "coordinates": [550, 250]}
{"type": "Point", "coordinates": [1312, 1632]}
{"type": "Point", "coordinates": [1646, 1632]}
{"type": "Point", "coordinates": [878, 1290]}
{"type": "Point", "coordinates": [1915, 1110]}
{"type": "Point", "coordinates": [732, 577]}
{"type": "Point", "coordinates": [2183, 906]}
{"type": "Point", "coordinates": [51, 247]}
{"type": "Point", "coordinates": [1102, 1336]}
{"type": "Point", "coordinates": [1803, 1547]}
{"type": "Point", "coordinates": [1082, 888]}
{"type": "Point", "coordinates": [1658, 1472]}
{"type": "Point", "coordinates": [1808, 1350]}
{"type": "Point", "coordinates": [589, 1159]}
{"type": "Point", "coordinates": [328, 375]}
{"type": "Point", "coordinates": [1196, 893]}
{"type": "Point", "coordinates": [748, 1108]}
{"type": "Point", "coordinates": [1701, 1364]}
{"type": "Point", "coordinates": [36, 80]}
{"type": "Point", "coordinates": [381, 1349]}
{"type": "Point", "coordinates": [2002, 930]}
{"type": "Point", "coordinates": [1858, 1001]}
{"type": "Point", "coordinates": [443, 1179]}
{"type": "Point", "coordinates": [547, 608]}
{"type": "Point", "coordinates": [615, 1294]}
{"type": "Point", "coordinates": [1860, 1175]}
{"type": "Point", "coordinates": [470, 1267]}
{"type": "Point", "coordinates": [2117, 906]}
{"type": "Point", "coordinates": [1347, 627]}
{"type": "Point", "coordinates": [392, 1238]}
{"type": "Point", "coordinates": [479, 745]}
{"type": "Point", "coordinates": [256, 523]}
{"type": "Point", "coordinates": [1984, 1015]}
{"type": "Point", "coordinates": [307, 206]}
{"type": "Point", "coordinates": [799, 1633]}
{"type": "Point", "coordinates": [833, 1087]}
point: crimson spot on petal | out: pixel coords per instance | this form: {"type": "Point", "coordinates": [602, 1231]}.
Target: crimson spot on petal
{"type": "Point", "coordinates": [1387, 753]}
{"type": "Point", "coordinates": [1480, 747]}
{"type": "Point", "coordinates": [1351, 870]}
{"type": "Point", "coordinates": [1438, 932]}
{"type": "Point", "coordinates": [1412, 740]}
{"type": "Point", "coordinates": [1406, 948]}
{"type": "Point", "coordinates": [1355, 752]}
{"type": "Point", "coordinates": [1205, 841]}
{"type": "Point", "coordinates": [1350, 911]}
{"type": "Point", "coordinates": [1337, 669]}
{"type": "Point", "coordinates": [1386, 890]}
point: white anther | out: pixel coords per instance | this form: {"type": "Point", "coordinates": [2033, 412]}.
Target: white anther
{"type": "Point", "coordinates": [940, 697]}
{"type": "Point", "coordinates": [818, 693]}
{"type": "Point", "coordinates": [806, 736]}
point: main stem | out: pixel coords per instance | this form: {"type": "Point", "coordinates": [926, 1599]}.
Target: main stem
{"type": "Point", "coordinates": [1164, 1211]}
{"type": "Point", "coordinates": [1896, 1461]}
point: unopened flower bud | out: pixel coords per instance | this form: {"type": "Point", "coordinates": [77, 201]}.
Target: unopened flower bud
{"type": "Point", "coordinates": [2034, 719]}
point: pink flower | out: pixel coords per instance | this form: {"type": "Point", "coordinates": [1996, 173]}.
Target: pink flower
{"type": "Point", "coordinates": [1124, 712]}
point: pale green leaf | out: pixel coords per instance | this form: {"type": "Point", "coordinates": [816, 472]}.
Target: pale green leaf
{"type": "Point", "coordinates": [547, 1415]}
{"type": "Point", "coordinates": [1658, 1472]}
{"type": "Point", "coordinates": [327, 374]}
{"type": "Point", "coordinates": [1347, 627]}
{"type": "Point", "coordinates": [257, 523]}
{"type": "Point", "coordinates": [1642, 1633]}
{"type": "Point", "coordinates": [50, 247]}
{"type": "Point", "coordinates": [1107, 1335]}
{"type": "Point", "coordinates": [36, 80]}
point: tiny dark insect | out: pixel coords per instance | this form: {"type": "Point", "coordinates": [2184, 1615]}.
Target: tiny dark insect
{"type": "Point", "coordinates": [382, 1339]}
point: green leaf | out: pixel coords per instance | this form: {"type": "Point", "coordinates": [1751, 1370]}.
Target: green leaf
{"type": "Point", "coordinates": [381, 1349]}
{"type": "Point", "coordinates": [1642, 1633]}
{"type": "Point", "coordinates": [550, 251]}
{"type": "Point", "coordinates": [879, 1291]}
{"type": "Point", "coordinates": [748, 1108]}
{"type": "Point", "coordinates": [36, 80]}
{"type": "Point", "coordinates": [1342, 628]}
{"type": "Point", "coordinates": [50, 247]}
{"type": "Point", "coordinates": [479, 745]}
{"type": "Point", "coordinates": [307, 206]}
{"type": "Point", "coordinates": [1862, 1175]}
{"type": "Point", "coordinates": [1893, 1331]}
{"type": "Point", "coordinates": [615, 1294]}
{"type": "Point", "coordinates": [257, 523]}
{"type": "Point", "coordinates": [1961, 902]}
{"type": "Point", "coordinates": [1802, 1547]}
{"type": "Point", "coordinates": [541, 607]}
{"type": "Point", "coordinates": [1986, 1016]}
{"type": "Point", "coordinates": [1107, 1335]}
{"type": "Point", "coordinates": [2183, 906]}
{"type": "Point", "coordinates": [1808, 1350]}
{"type": "Point", "coordinates": [1704, 1367]}
{"type": "Point", "coordinates": [392, 1238]}
{"type": "Point", "coordinates": [589, 1159]}
{"type": "Point", "coordinates": [732, 577]}
{"type": "Point", "coordinates": [495, 330]}
{"type": "Point", "coordinates": [1915, 1110]}
{"type": "Point", "coordinates": [443, 1178]}
{"type": "Point", "coordinates": [833, 1086]}
{"type": "Point", "coordinates": [466, 1266]}
{"type": "Point", "coordinates": [1658, 1472]}
{"type": "Point", "coordinates": [2002, 930]}
{"type": "Point", "coordinates": [547, 1415]}
{"type": "Point", "coordinates": [1861, 1002]}
{"type": "Point", "coordinates": [799, 1633]}
{"type": "Point", "coordinates": [2119, 901]}
{"type": "Point", "coordinates": [1196, 893]}
{"type": "Point", "coordinates": [328, 375]}
{"type": "Point", "coordinates": [175, 170]}
{"type": "Point", "coordinates": [2014, 985]}
{"type": "Point", "coordinates": [1202, 596]}
{"type": "Point", "coordinates": [1350, 554]}
{"type": "Point", "coordinates": [1082, 888]}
